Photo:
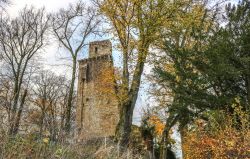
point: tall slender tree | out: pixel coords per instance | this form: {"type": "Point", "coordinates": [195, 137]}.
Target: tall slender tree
{"type": "Point", "coordinates": [72, 27]}
{"type": "Point", "coordinates": [21, 39]}
{"type": "Point", "coordinates": [136, 24]}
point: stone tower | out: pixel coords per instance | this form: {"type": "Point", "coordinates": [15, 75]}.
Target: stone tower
{"type": "Point", "coordinates": [97, 106]}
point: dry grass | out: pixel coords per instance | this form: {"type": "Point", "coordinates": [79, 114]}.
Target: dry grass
{"type": "Point", "coordinates": [30, 147]}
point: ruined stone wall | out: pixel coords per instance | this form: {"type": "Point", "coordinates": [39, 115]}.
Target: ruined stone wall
{"type": "Point", "coordinates": [97, 106]}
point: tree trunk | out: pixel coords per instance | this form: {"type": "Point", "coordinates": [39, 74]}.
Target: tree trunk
{"type": "Point", "coordinates": [165, 141]}
{"type": "Point", "coordinates": [124, 126]}
{"type": "Point", "coordinates": [19, 114]}
{"type": "Point", "coordinates": [54, 125]}
{"type": "Point", "coordinates": [14, 106]}
{"type": "Point", "coordinates": [248, 92]}
{"type": "Point", "coordinates": [182, 133]}
{"type": "Point", "coordinates": [70, 98]}
{"type": "Point", "coordinates": [16, 95]}
{"type": "Point", "coordinates": [170, 122]}
{"type": "Point", "coordinates": [41, 121]}
{"type": "Point", "coordinates": [127, 107]}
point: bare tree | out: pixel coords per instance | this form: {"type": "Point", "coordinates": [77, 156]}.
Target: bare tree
{"type": "Point", "coordinates": [72, 27]}
{"type": "Point", "coordinates": [49, 94]}
{"type": "Point", "coordinates": [21, 39]}
{"type": "Point", "coordinates": [3, 4]}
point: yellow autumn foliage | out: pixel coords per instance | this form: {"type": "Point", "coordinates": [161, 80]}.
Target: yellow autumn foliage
{"type": "Point", "coordinates": [46, 140]}
{"type": "Point", "coordinates": [226, 142]}
{"type": "Point", "coordinates": [157, 123]}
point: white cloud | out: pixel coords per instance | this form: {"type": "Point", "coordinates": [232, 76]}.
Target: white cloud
{"type": "Point", "coordinates": [50, 5]}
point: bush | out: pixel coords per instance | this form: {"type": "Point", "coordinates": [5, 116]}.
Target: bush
{"type": "Point", "coordinates": [224, 141]}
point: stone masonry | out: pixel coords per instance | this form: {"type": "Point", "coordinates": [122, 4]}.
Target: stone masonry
{"type": "Point", "coordinates": [97, 106]}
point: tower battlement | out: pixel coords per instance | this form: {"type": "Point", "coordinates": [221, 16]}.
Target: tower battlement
{"type": "Point", "coordinates": [99, 48]}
